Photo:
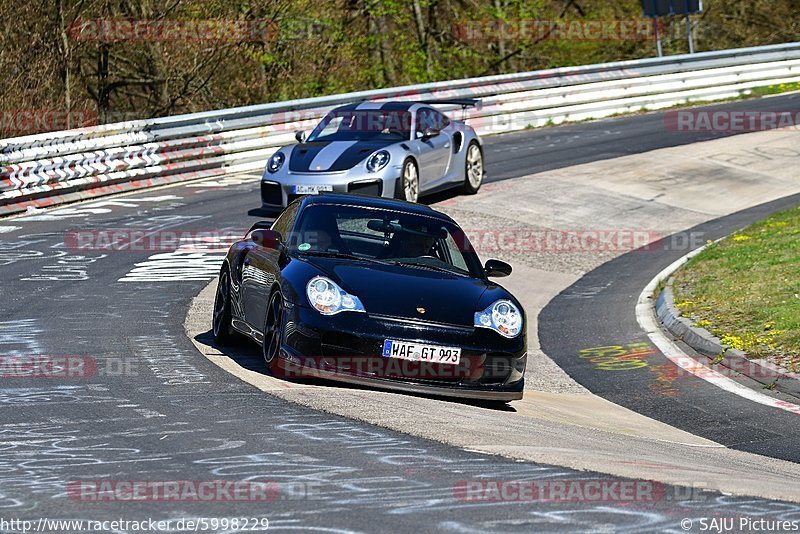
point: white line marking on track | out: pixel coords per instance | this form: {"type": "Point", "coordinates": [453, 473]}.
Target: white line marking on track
{"type": "Point", "coordinates": [646, 316]}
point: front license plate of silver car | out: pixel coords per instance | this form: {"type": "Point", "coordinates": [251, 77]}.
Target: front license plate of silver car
{"type": "Point", "coordinates": [311, 189]}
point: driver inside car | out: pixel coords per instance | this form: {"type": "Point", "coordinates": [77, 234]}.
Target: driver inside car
{"type": "Point", "coordinates": [416, 246]}
{"type": "Point", "coordinates": [409, 245]}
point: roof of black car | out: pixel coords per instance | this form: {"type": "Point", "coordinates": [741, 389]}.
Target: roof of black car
{"type": "Point", "coordinates": [351, 199]}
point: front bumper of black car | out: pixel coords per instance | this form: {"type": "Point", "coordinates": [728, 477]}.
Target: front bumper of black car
{"type": "Point", "coordinates": [348, 347]}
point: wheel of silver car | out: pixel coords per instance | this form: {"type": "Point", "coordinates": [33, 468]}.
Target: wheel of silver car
{"type": "Point", "coordinates": [273, 329]}
{"type": "Point", "coordinates": [408, 184]}
{"type": "Point", "coordinates": [473, 172]}
{"type": "Point", "coordinates": [221, 323]}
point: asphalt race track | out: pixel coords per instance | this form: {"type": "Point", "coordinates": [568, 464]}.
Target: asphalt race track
{"type": "Point", "coordinates": [598, 310]}
{"type": "Point", "coordinates": [157, 410]}
{"type": "Point", "coordinates": [144, 405]}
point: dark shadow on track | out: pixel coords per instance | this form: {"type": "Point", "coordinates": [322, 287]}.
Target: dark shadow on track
{"type": "Point", "coordinates": [263, 213]}
{"type": "Point", "coordinates": [441, 196]}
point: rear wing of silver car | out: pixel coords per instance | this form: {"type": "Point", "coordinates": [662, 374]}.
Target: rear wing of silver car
{"type": "Point", "coordinates": [463, 102]}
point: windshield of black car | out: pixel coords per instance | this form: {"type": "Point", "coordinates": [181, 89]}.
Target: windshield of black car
{"type": "Point", "coordinates": [387, 236]}
{"type": "Point", "coordinates": [363, 125]}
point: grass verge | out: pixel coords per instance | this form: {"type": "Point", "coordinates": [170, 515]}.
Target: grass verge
{"type": "Point", "coordinates": [746, 289]}
{"type": "Point", "coordinates": [775, 89]}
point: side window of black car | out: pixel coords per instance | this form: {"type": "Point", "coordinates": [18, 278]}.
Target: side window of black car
{"type": "Point", "coordinates": [284, 223]}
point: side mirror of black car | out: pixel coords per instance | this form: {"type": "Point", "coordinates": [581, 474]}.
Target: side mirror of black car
{"type": "Point", "coordinates": [497, 268]}
{"type": "Point", "coordinates": [300, 136]}
{"type": "Point", "coordinates": [266, 238]}
{"type": "Point", "coordinates": [427, 133]}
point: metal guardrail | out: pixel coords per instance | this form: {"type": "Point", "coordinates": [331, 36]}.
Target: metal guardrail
{"type": "Point", "coordinates": [51, 168]}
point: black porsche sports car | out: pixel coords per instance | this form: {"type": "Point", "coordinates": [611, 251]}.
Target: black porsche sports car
{"type": "Point", "coordinates": [374, 291]}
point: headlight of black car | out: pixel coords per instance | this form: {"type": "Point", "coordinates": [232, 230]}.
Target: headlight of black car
{"type": "Point", "coordinates": [502, 316]}
{"type": "Point", "coordinates": [378, 161]}
{"type": "Point", "coordinates": [329, 299]}
{"type": "Point", "coordinates": [275, 162]}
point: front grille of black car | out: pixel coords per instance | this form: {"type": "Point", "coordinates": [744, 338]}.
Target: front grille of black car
{"type": "Point", "coordinates": [366, 188]}
{"type": "Point", "coordinates": [271, 193]}
{"type": "Point", "coordinates": [416, 322]}
{"type": "Point", "coordinates": [335, 344]}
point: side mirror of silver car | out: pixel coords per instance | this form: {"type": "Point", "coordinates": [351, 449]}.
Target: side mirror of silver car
{"type": "Point", "coordinates": [427, 133]}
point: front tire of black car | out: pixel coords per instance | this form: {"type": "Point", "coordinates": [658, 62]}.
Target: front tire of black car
{"type": "Point", "coordinates": [473, 169]}
{"type": "Point", "coordinates": [221, 322]}
{"type": "Point", "coordinates": [273, 330]}
{"type": "Point", "coordinates": [407, 185]}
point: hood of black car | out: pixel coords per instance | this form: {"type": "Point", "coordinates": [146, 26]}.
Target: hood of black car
{"type": "Point", "coordinates": [332, 156]}
{"type": "Point", "coordinates": [407, 292]}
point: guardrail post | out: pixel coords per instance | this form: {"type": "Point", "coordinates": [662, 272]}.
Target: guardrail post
{"type": "Point", "coordinates": [658, 37]}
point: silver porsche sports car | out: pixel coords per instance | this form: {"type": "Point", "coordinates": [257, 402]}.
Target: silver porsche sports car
{"type": "Point", "coordinates": [391, 149]}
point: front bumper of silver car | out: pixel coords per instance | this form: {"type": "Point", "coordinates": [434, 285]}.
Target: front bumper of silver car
{"type": "Point", "coordinates": [280, 189]}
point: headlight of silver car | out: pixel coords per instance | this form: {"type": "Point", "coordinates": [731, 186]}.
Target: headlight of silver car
{"type": "Point", "coordinates": [378, 161]}
{"type": "Point", "coordinates": [502, 317]}
{"type": "Point", "coordinates": [276, 162]}
{"type": "Point", "coordinates": [329, 299]}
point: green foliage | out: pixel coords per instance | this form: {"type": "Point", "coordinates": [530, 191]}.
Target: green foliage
{"type": "Point", "coordinates": [322, 47]}
{"type": "Point", "coordinates": [776, 89]}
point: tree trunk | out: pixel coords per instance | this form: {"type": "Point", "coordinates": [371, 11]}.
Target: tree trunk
{"type": "Point", "coordinates": [422, 35]}
{"type": "Point", "coordinates": [65, 59]}
{"type": "Point", "coordinates": [500, 13]}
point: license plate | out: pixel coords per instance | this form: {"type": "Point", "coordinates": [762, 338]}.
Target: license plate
{"type": "Point", "coordinates": [311, 189]}
{"type": "Point", "coordinates": [421, 352]}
